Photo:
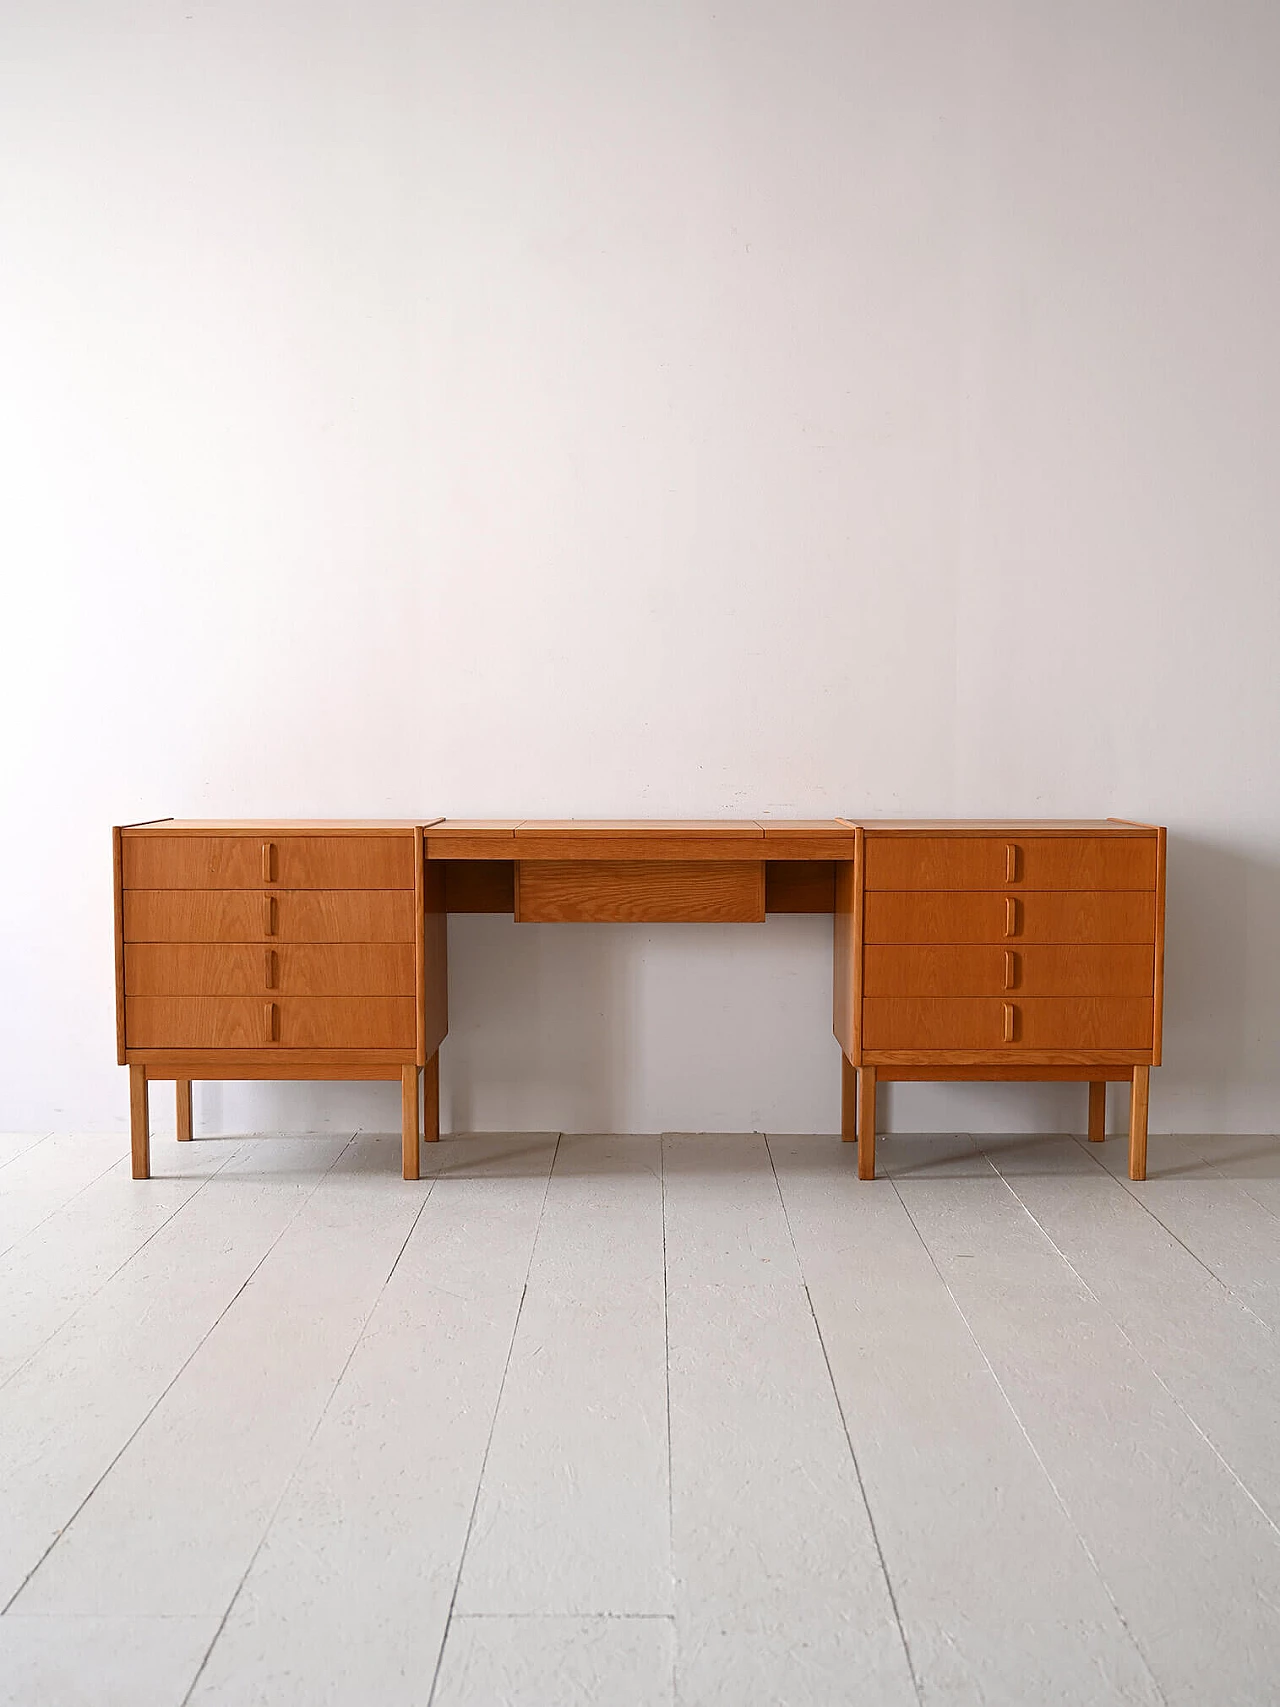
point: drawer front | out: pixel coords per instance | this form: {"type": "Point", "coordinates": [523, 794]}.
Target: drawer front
{"type": "Point", "coordinates": [920, 917]}
{"type": "Point", "coordinates": [229, 915]}
{"type": "Point", "coordinates": [247, 1022]}
{"type": "Point", "coordinates": [980, 1022]}
{"type": "Point", "coordinates": [1016, 862]}
{"type": "Point", "coordinates": [253, 862]}
{"type": "Point", "coordinates": [661, 892]}
{"type": "Point", "coordinates": [1048, 969]}
{"type": "Point", "coordinates": [247, 969]}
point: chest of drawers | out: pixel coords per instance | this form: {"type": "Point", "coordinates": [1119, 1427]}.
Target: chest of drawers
{"type": "Point", "coordinates": [1000, 951]}
{"type": "Point", "coordinates": [279, 951]}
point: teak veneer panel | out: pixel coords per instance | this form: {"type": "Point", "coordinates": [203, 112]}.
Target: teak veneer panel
{"type": "Point", "coordinates": [637, 842]}
{"type": "Point", "coordinates": [257, 861]}
{"type": "Point", "coordinates": [644, 891]}
{"type": "Point", "coordinates": [1048, 969]}
{"type": "Point", "coordinates": [918, 916]}
{"type": "Point", "coordinates": [1011, 862]}
{"type": "Point", "coordinates": [228, 915]}
{"type": "Point", "coordinates": [1035, 1022]}
{"type": "Point", "coordinates": [291, 1022]}
{"type": "Point", "coordinates": [250, 969]}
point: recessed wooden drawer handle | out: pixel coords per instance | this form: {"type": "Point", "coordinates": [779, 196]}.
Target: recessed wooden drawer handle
{"type": "Point", "coordinates": [1010, 916]}
{"type": "Point", "coordinates": [268, 915]}
{"type": "Point", "coordinates": [1009, 1015]}
{"type": "Point", "coordinates": [1010, 969]}
{"type": "Point", "coordinates": [271, 1020]}
{"type": "Point", "coordinates": [268, 862]}
{"type": "Point", "coordinates": [1011, 862]}
{"type": "Point", "coordinates": [272, 962]}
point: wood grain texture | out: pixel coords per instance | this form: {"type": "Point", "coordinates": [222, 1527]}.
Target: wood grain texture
{"type": "Point", "coordinates": [661, 891]}
{"type": "Point", "coordinates": [117, 895]}
{"type": "Point", "coordinates": [139, 1123]}
{"type": "Point", "coordinates": [942, 1063]}
{"type": "Point", "coordinates": [479, 885]}
{"type": "Point", "coordinates": [431, 1099]}
{"type": "Point", "coordinates": [950, 917]}
{"type": "Point", "coordinates": [1097, 1111]}
{"type": "Point", "coordinates": [999, 826]}
{"type": "Point", "coordinates": [472, 838]}
{"type": "Point", "coordinates": [277, 1063]}
{"type": "Point", "coordinates": [240, 1022]}
{"type": "Point", "coordinates": [434, 999]}
{"type": "Point", "coordinates": [941, 1070]}
{"type": "Point", "coordinates": [228, 915]}
{"type": "Point", "coordinates": [638, 840]}
{"type": "Point", "coordinates": [1011, 861]}
{"type": "Point", "coordinates": [243, 862]}
{"type": "Point", "coordinates": [1036, 1022]}
{"type": "Point", "coordinates": [410, 1144]}
{"type": "Point", "coordinates": [806, 839]}
{"type": "Point", "coordinates": [800, 885]}
{"type": "Point", "coordinates": [1138, 1098]}
{"type": "Point", "coordinates": [183, 1111]}
{"type": "Point", "coordinates": [866, 1122]}
{"type": "Point", "coordinates": [1045, 969]}
{"type": "Point", "coordinates": [277, 826]}
{"type": "Point", "coordinates": [848, 1099]}
{"type": "Point", "coordinates": [293, 969]}
{"type": "Point", "coordinates": [846, 954]}
{"type": "Point", "coordinates": [1161, 850]}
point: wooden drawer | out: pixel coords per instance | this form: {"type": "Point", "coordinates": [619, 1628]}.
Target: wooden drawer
{"type": "Point", "coordinates": [229, 915]}
{"type": "Point", "coordinates": [1036, 1022]}
{"type": "Point", "coordinates": [1045, 970]}
{"type": "Point", "coordinates": [1015, 862]}
{"type": "Point", "coordinates": [666, 891]}
{"type": "Point", "coordinates": [951, 917]}
{"type": "Point", "coordinates": [252, 862]}
{"type": "Point", "coordinates": [245, 969]}
{"type": "Point", "coordinates": [247, 1022]}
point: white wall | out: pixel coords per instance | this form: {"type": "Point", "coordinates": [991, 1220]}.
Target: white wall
{"type": "Point", "coordinates": [640, 409]}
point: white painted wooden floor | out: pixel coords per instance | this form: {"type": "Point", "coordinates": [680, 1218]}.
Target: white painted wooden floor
{"type": "Point", "coordinates": [639, 1421]}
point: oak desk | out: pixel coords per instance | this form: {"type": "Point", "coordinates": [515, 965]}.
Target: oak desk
{"type": "Point", "coordinates": [318, 950]}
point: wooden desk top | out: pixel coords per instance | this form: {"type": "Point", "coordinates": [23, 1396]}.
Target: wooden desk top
{"type": "Point", "coordinates": [639, 839]}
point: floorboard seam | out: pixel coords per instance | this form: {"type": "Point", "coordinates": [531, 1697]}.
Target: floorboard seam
{"type": "Point", "coordinates": [186, 1362]}
{"type": "Point", "coordinates": [117, 1162]}
{"type": "Point", "coordinates": [120, 1267]}
{"type": "Point", "coordinates": [1126, 1186]}
{"type": "Point", "coordinates": [324, 1411]}
{"type": "Point", "coordinates": [1137, 1350]}
{"type": "Point", "coordinates": [42, 1139]}
{"type": "Point", "coordinates": [666, 1346]}
{"type": "Point", "coordinates": [1031, 1445]}
{"type": "Point", "coordinates": [493, 1423]}
{"type": "Point", "coordinates": [844, 1423]}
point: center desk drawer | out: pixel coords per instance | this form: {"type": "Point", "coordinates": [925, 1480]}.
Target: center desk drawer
{"type": "Point", "coordinates": [1047, 969]}
{"type": "Point", "coordinates": [248, 969]}
{"type": "Point", "coordinates": [643, 891]}
{"type": "Point", "coordinates": [1018, 862]}
{"type": "Point", "coordinates": [921, 917]}
{"type": "Point", "coordinates": [252, 862]}
{"type": "Point", "coordinates": [978, 1022]}
{"type": "Point", "coordinates": [230, 915]}
{"type": "Point", "coordinates": [247, 1022]}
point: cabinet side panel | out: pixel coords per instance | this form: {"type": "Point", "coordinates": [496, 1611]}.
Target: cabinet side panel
{"type": "Point", "coordinates": [846, 955]}
{"type": "Point", "coordinates": [118, 899]}
{"type": "Point", "coordinates": [434, 937]}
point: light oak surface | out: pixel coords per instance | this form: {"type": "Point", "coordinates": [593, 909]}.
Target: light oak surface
{"type": "Point", "coordinates": [1036, 1022]}
{"type": "Point", "coordinates": [1048, 969]}
{"type": "Point", "coordinates": [188, 915]}
{"type": "Point", "coordinates": [1011, 861]}
{"type": "Point", "coordinates": [657, 891]}
{"type": "Point", "coordinates": [297, 969]}
{"type": "Point", "coordinates": [294, 1022]}
{"type": "Point", "coordinates": [950, 917]}
{"type": "Point", "coordinates": [205, 1505]}
{"type": "Point", "coordinates": [250, 861]}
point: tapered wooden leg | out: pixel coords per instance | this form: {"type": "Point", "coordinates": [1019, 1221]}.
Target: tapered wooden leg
{"type": "Point", "coordinates": [848, 1099]}
{"type": "Point", "coordinates": [409, 1128]}
{"type": "Point", "coordinates": [1097, 1110]}
{"type": "Point", "coordinates": [184, 1111]}
{"type": "Point", "coordinates": [1138, 1122]}
{"type": "Point", "coordinates": [431, 1099]}
{"type": "Point", "coordinates": [866, 1123]}
{"type": "Point", "coordinates": [139, 1123]}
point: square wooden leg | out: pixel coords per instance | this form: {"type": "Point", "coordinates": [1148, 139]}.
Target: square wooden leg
{"type": "Point", "coordinates": [1138, 1094]}
{"type": "Point", "coordinates": [431, 1099]}
{"type": "Point", "coordinates": [848, 1099]}
{"type": "Point", "coordinates": [866, 1123]}
{"type": "Point", "coordinates": [139, 1122]}
{"type": "Point", "coordinates": [1097, 1111]}
{"type": "Point", "coordinates": [184, 1111]}
{"type": "Point", "coordinates": [409, 1128]}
